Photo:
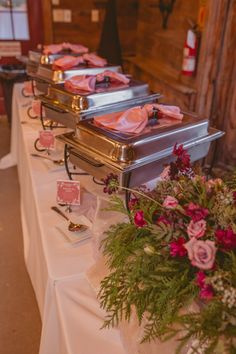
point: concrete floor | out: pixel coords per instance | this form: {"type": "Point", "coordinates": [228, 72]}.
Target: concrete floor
{"type": "Point", "coordinates": [20, 324]}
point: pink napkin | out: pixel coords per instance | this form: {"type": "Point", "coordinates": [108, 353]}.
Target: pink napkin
{"type": "Point", "coordinates": [56, 48]}
{"type": "Point", "coordinates": [95, 60]}
{"type": "Point", "coordinates": [167, 111]}
{"type": "Point", "coordinates": [67, 62]}
{"type": "Point", "coordinates": [114, 77]}
{"type": "Point", "coordinates": [81, 82]}
{"type": "Point", "coordinates": [88, 82]}
{"type": "Point", "coordinates": [52, 49]}
{"type": "Point", "coordinates": [75, 48]}
{"type": "Point", "coordinates": [134, 120]}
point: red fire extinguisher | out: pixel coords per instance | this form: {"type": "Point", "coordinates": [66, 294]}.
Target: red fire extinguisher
{"type": "Point", "coordinates": [190, 53]}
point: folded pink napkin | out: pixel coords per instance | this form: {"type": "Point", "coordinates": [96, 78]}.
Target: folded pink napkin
{"type": "Point", "coordinates": [88, 82]}
{"type": "Point", "coordinates": [67, 62]}
{"type": "Point", "coordinates": [57, 48]}
{"type": "Point", "coordinates": [95, 60]}
{"type": "Point", "coordinates": [167, 111]}
{"type": "Point", "coordinates": [52, 49]}
{"type": "Point", "coordinates": [75, 48]}
{"type": "Point", "coordinates": [81, 82]}
{"type": "Point", "coordinates": [135, 119]}
{"type": "Point", "coordinates": [114, 77]}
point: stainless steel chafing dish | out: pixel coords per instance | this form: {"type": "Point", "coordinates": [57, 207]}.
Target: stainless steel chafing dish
{"type": "Point", "coordinates": [37, 56]}
{"type": "Point", "coordinates": [45, 74]}
{"type": "Point", "coordinates": [68, 108]}
{"type": "Point", "coordinates": [135, 158]}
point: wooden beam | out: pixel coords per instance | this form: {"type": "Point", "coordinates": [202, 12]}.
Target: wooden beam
{"type": "Point", "coordinates": [47, 21]}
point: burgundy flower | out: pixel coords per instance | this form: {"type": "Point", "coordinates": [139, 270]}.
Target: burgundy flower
{"type": "Point", "coordinates": [178, 151]}
{"type": "Point", "coordinates": [177, 249]}
{"type": "Point", "coordinates": [196, 212]}
{"type": "Point", "coordinates": [206, 290]}
{"type": "Point", "coordinates": [226, 238]}
{"type": "Point", "coordinates": [139, 219]}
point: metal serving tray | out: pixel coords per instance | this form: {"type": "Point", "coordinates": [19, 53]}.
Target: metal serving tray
{"type": "Point", "coordinates": [97, 104]}
{"type": "Point", "coordinates": [46, 72]}
{"type": "Point", "coordinates": [105, 94]}
{"type": "Point", "coordinates": [149, 161]}
{"type": "Point", "coordinates": [44, 75]}
{"type": "Point", "coordinates": [129, 148]}
{"type": "Point", "coordinates": [39, 57]}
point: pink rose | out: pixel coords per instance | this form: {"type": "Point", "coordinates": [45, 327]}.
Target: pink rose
{"type": "Point", "coordinates": [170, 202]}
{"type": "Point", "coordinates": [201, 253]}
{"type": "Point", "coordinates": [196, 229]}
{"type": "Point", "coordinates": [139, 219]}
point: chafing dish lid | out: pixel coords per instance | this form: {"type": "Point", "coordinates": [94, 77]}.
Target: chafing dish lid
{"type": "Point", "coordinates": [104, 96]}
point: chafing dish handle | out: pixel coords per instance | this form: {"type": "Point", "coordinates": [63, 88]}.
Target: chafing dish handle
{"type": "Point", "coordinates": [86, 159]}
{"type": "Point", "coordinates": [56, 109]}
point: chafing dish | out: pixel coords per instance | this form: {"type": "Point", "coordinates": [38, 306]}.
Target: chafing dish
{"type": "Point", "coordinates": [45, 74]}
{"type": "Point", "coordinates": [135, 158]}
{"type": "Point", "coordinates": [68, 108]}
{"type": "Point", "coordinates": [37, 56]}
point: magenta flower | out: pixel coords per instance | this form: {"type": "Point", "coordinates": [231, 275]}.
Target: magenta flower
{"type": "Point", "coordinates": [196, 212]}
{"type": "Point", "coordinates": [201, 253]}
{"type": "Point", "coordinates": [139, 219]}
{"type": "Point", "coordinates": [170, 202]}
{"type": "Point", "coordinates": [177, 248]}
{"type": "Point", "coordinates": [226, 239]}
{"type": "Point", "coordinates": [196, 229]}
{"type": "Point", "coordinates": [206, 290]}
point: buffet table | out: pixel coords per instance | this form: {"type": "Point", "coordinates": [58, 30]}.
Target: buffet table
{"type": "Point", "coordinates": [70, 313]}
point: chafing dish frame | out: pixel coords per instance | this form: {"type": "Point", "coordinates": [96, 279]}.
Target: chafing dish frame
{"type": "Point", "coordinates": [71, 119]}
{"type": "Point", "coordinates": [198, 149]}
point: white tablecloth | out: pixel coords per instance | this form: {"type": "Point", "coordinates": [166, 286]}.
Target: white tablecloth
{"type": "Point", "coordinates": [70, 312]}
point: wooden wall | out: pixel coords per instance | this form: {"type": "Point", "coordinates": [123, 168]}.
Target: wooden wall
{"type": "Point", "coordinates": [83, 30]}
{"type": "Point", "coordinates": [159, 52]}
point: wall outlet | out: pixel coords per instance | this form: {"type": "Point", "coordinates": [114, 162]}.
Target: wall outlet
{"type": "Point", "coordinates": [61, 15]}
{"type": "Point", "coordinates": [57, 15]}
{"type": "Point", "coordinates": [67, 15]}
{"type": "Point", "coordinates": [95, 15]}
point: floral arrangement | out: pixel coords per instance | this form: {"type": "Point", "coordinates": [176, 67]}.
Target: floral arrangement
{"type": "Point", "coordinates": [178, 248]}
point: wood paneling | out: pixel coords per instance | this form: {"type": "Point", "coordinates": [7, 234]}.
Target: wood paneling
{"type": "Point", "coordinates": [83, 30]}
{"type": "Point", "coordinates": [159, 52]}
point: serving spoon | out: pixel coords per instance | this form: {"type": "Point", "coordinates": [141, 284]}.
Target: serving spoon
{"type": "Point", "coordinates": [57, 162]}
{"type": "Point", "coordinates": [72, 226]}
